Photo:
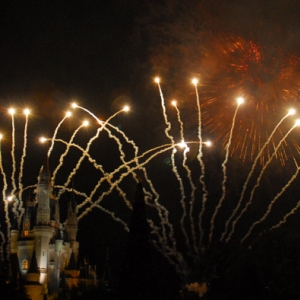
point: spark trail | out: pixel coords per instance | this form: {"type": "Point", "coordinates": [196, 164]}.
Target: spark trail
{"type": "Point", "coordinates": [174, 167]}
{"type": "Point", "coordinates": [168, 124]}
{"type": "Point", "coordinates": [85, 153]}
{"type": "Point", "coordinates": [112, 214]}
{"type": "Point", "coordinates": [6, 212]}
{"type": "Point", "coordinates": [212, 225]}
{"type": "Point", "coordinates": [189, 175]}
{"type": "Point", "coordinates": [202, 166]}
{"type": "Point", "coordinates": [13, 143]}
{"type": "Point", "coordinates": [5, 207]}
{"type": "Point", "coordinates": [26, 112]}
{"type": "Point", "coordinates": [88, 199]}
{"type": "Point", "coordinates": [63, 155]}
{"type": "Point", "coordinates": [118, 181]}
{"type": "Point", "coordinates": [122, 176]}
{"type": "Point", "coordinates": [122, 154]}
{"type": "Point", "coordinates": [297, 123]}
{"type": "Point", "coordinates": [291, 112]}
{"type": "Point", "coordinates": [76, 168]}
{"type": "Point", "coordinates": [160, 149]}
{"type": "Point", "coordinates": [286, 217]}
{"type": "Point", "coordinates": [2, 245]}
{"type": "Point", "coordinates": [68, 114]}
{"type": "Point", "coordinates": [162, 211]}
{"type": "Point", "coordinates": [271, 205]}
{"type": "Point", "coordinates": [126, 108]}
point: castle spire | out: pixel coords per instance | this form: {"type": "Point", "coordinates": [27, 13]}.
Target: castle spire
{"type": "Point", "coordinates": [71, 223]}
{"type": "Point", "coordinates": [43, 195]}
{"type": "Point", "coordinates": [43, 232]}
{"type": "Point", "coordinates": [72, 226]}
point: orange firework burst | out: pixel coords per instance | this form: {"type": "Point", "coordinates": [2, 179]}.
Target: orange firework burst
{"type": "Point", "coordinates": [267, 76]}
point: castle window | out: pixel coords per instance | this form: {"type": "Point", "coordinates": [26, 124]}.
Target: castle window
{"type": "Point", "coordinates": [25, 264]}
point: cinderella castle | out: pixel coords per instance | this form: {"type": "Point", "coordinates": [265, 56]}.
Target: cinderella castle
{"type": "Point", "coordinates": [44, 251]}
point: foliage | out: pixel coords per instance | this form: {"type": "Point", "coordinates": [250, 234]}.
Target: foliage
{"type": "Point", "coordinates": [269, 269]}
{"type": "Point", "coordinates": [86, 291]}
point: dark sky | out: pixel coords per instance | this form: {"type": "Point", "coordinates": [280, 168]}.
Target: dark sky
{"type": "Point", "coordinates": [89, 47]}
{"type": "Point", "coordinates": [81, 49]}
{"type": "Point", "coordinates": [98, 51]}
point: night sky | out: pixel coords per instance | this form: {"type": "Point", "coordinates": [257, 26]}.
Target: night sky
{"type": "Point", "coordinates": [104, 54]}
{"type": "Point", "coordinates": [80, 50]}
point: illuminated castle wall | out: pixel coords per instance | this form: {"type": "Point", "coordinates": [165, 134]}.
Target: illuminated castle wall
{"type": "Point", "coordinates": [47, 248]}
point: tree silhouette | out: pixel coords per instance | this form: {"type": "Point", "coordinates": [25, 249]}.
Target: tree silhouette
{"type": "Point", "coordinates": [145, 274]}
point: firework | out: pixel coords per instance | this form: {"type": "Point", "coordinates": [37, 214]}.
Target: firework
{"type": "Point", "coordinates": [266, 73]}
{"type": "Point", "coordinates": [188, 180]}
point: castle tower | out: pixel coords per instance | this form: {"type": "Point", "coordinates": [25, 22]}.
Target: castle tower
{"type": "Point", "coordinates": [72, 227]}
{"type": "Point", "coordinates": [43, 231]}
{"type": "Point", "coordinates": [43, 247]}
